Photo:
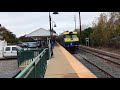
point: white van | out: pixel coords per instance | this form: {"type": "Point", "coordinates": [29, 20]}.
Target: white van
{"type": "Point", "coordinates": [11, 51]}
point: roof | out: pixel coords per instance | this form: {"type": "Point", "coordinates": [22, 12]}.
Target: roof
{"type": "Point", "coordinates": [40, 33]}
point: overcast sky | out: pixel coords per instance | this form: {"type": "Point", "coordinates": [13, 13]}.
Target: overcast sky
{"type": "Point", "coordinates": [21, 23]}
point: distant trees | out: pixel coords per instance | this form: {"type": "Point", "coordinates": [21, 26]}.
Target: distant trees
{"type": "Point", "coordinates": [25, 39]}
{"type": "Point", "coordinates": [105, 32]}
{"type": "Point", "coordinates": [86, 34]}
{"type": "Point", "coordinates": [99, 35]}
{"type": "Point", "coordinates": [8, 36]}
{"type": "Point", "coordinates": [11, 38]}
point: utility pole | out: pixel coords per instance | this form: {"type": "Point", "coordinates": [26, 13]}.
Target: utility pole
{"type": "Point", "coordinates": [51, 32]}
{"type": "Point", "coordinates": [80, 29]}
{"type": "Point", "coordinates": [75, 21]}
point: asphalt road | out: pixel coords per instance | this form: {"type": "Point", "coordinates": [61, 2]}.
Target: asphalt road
{"type": "Point", "coordinates": [8, 66]}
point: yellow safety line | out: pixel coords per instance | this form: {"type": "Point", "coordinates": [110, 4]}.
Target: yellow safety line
{"type": "Point", "coordinates": [79, 68]}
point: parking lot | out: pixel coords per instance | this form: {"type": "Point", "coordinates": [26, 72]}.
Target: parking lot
{"type": "Point", "coordinates": [8, 66]}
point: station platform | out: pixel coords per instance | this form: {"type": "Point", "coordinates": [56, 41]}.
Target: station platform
{"type": "Point", "coordinates": [64, 65]}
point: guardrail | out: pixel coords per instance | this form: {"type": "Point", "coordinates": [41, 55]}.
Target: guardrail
{"type": "Point", "coordinates": [26, 56]}
{"type": "Point", "coordinates": [37, 68]}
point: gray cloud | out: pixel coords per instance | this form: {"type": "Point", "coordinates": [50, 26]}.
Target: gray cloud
{"type": "Point", "coordinates": [21, 23]}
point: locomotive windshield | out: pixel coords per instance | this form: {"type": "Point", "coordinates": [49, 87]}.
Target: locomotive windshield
{"type": "Point", "coordinates": [70, 36]}
{"type": "Point", "coordinates": [67, 36]}
{"type": "Point", "coordinates": [74, 36]}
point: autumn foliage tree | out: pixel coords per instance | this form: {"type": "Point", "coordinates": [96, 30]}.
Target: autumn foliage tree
{"type": "Point", "coordinates": [98, 37]}
{"type": "Point", "coordinates": [105, 32]}
{"type": "Point", "coordinates": [106, 29]}
{"type": "Point", "coordinates": [5, 34]}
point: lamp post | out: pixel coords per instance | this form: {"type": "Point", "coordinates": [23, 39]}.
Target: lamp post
{"type": "Point", "coordinates": [53, 37]}
{"type": "Point", "coordinates": [53, 26]}
{"type": "Point", "coordinates": [0, 35]}
{"type": "Point", "coordinates": [53, 23]}
{"type": "Point", "coordinates": [50, 23]}
{"type": "Point", "coordinates": [0, 25]}
{"type": "Point", "coordinates": [80, 29]}
{"type": "Point", "coordinates": [51, 29]}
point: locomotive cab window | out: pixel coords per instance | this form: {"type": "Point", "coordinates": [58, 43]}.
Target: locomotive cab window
{"type": "Point", "coordinates": [74, 36]}
{"type": "Point", "coordinates": [67, 36]}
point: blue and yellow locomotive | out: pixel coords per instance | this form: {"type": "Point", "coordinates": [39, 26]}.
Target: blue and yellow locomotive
{"type": "Point", "coordinates": [69, 40]}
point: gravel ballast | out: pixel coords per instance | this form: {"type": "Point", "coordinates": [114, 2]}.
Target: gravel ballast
{"type": "Point", "coordinates": [111, 69]}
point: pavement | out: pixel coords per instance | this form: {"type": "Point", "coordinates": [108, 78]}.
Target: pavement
{"type": "Point", "coordinates": [59, 67]}
{"type": "Point", "coordinates": [64, 65]}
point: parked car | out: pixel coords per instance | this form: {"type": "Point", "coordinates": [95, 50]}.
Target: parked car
{"type": "Point", "coordinates": [10, 51]}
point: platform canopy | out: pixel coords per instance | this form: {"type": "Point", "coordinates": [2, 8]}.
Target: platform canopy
{"type": "Point", "coordinates": [40, 34]}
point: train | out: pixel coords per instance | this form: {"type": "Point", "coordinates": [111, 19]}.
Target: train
{"type": "Point", "coordinates": [69, 40]}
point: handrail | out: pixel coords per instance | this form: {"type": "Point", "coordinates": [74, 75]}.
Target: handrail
{"type": "Point", "coordinates": [33, 64]}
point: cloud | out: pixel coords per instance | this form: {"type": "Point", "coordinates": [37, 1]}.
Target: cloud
{"type": "Point", "coordinates": [21, 23]}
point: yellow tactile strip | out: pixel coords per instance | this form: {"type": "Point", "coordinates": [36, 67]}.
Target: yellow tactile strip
{"type": "Point", "coordinates": [79, 68]}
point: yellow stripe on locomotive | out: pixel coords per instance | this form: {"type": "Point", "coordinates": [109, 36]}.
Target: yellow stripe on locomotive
{"type": "Point", "coordinates": [69, 33]}
{"type": "Point", "coordinates": [71, 40]}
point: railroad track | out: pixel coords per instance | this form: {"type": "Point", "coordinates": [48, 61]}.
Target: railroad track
{"type": "Point", "coordinates": [108, 59]}
{"type": "Point", "coordinates": [105, 62]}
{"type": "Point", "coordinates": [113, 55]}
{"type": "Point", "coordinates": [108, 74]}
{"type": "Point", "coordinates": [111, 59]}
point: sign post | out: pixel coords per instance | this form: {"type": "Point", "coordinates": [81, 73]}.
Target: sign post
{"type": "Point", "coordinates": [87, 41]}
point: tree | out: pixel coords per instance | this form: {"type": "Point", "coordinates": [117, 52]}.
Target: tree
{"type": "Point", "coordinates": [105, 29]}
{"type": "Point", "coordinates": [114, 28]}
{"type": "Point", "coordinates": [98, 37]}
{"type": "Point", "coordinates": [8, 36]}
{"type": "Point", "coordinates": [25, 39]}
{"type": "Point", "coordinates": [86, 34]}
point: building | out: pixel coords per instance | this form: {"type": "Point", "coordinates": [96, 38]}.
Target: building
{"type": "Point", "coordinates": [41, 36]}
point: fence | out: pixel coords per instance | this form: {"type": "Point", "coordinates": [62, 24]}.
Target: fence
{"type": "Point", "coordinates": [26, 56]}
{"type": "Point", "coordinates": [37, 67]}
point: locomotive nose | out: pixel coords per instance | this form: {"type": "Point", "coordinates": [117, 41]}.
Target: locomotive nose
{"type": "Point", "coordinates": [71, 38]}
